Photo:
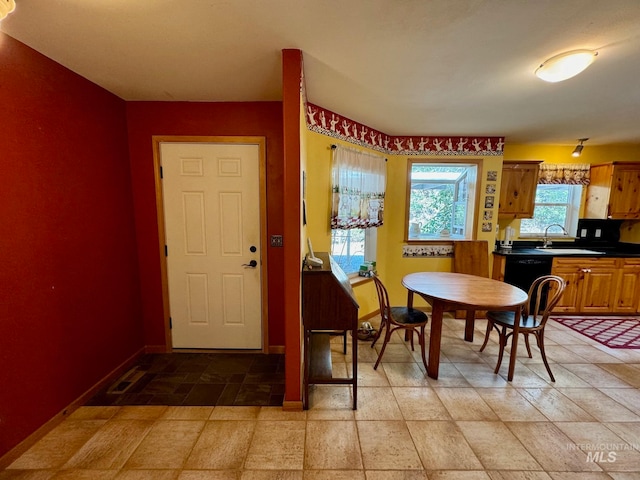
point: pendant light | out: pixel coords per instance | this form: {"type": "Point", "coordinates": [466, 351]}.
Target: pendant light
{"type": "Point", "coordinates": [565, 65]}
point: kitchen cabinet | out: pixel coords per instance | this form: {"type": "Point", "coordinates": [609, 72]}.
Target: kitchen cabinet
{"type": "Point", "coordinates": [518, 188]}
{"type": "Point", "coordinates": [592, 284]}
{"type": "Point", "coordinates": [628, 292]}
{"type": "Point", "coordinates": [613, 191]}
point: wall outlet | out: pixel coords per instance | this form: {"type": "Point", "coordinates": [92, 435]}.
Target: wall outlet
{"type": "Point", "coordinates": [583, 232]}
{"type": "Point", "coordinates": [276, 240]}
{"type": "Point", "coordinates": [598, 232]}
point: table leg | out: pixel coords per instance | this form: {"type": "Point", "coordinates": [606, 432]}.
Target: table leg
{"type": "Point", "coordinates": [469, 324]}
{"type": "Point", "coordinates": [514, 345]}
{"type": "Point", "coordinates": [409, 305]}
{"type": "Point", "coordinates": [435, 335]}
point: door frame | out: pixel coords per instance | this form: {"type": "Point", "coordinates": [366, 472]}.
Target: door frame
{"type": "Point", "coordinates": [261, 143]}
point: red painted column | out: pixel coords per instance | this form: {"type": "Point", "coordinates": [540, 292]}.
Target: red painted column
{"type": "Point", "coordinates": [291, 104]}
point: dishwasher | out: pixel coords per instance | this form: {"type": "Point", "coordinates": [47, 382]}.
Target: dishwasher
{"type": "Point", "coordinates": [521, 271]}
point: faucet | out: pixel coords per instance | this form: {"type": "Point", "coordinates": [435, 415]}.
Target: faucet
{"type": "Point", "coordinates": [545, 239]}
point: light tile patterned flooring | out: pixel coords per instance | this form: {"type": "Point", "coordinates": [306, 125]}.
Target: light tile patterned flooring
{"type": "Point", "coordinates": [468, 425]}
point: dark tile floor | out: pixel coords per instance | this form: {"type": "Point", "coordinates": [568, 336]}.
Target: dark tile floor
{"type": "Point", "coordinates": [204, 379]}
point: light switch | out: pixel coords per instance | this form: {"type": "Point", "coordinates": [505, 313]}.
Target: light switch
{"type": "Point", "coordinates": [276, 240]}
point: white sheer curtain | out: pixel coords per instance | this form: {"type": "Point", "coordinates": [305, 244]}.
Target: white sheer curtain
{"type": "Point", "coordinates": [358, 184]}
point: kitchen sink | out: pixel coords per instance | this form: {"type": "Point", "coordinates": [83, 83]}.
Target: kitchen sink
{"type": "Point", "coordinates": [569, 251]}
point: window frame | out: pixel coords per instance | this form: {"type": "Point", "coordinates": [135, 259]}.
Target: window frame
{"type": "Point", "coordinates": [576, 193]}
{"type": "Point", "coordinates": [473, 195]}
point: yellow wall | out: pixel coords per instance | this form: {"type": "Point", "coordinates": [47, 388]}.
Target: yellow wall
{"type": "Point", "coordinates": [318, 199]}
{"type": "Point", "coordinates": [390, 263]}
{"type": "Point", "coordinates": [592, 154]}
{"type": "Point", "coordinates": [562, 154]}
{"type": "Point", "coordinates": [390, 248]}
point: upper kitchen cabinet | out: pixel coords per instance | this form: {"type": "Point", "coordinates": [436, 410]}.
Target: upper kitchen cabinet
{"type": "Point", "coordinates": [613, 191]}
{"type": "Point", "coordinates": [518, 188]}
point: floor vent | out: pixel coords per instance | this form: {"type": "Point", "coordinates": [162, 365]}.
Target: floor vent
{"type": "Point", "coordinates": [126, 381]}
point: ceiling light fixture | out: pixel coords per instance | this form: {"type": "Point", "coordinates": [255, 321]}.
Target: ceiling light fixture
{"type": "Point", "coordinates": [578, 150]}
{"type": "Point", "coordinates": [565, 65]}
{"type": "Point", "coordinates": [6, 7]}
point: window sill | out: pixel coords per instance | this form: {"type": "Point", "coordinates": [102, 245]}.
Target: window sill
{"type": "Point", "coordinates": [356, 280]}
{"type": "Point", "coordinates": [438, 240]}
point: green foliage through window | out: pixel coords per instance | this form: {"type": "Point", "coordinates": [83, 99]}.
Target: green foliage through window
{"type": "Point", "coordinates": [441, 200]}
{"type": "Point", "coordinates": [554, 203]}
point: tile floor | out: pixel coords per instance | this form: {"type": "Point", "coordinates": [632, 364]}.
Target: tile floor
{"type": "Point", "coordinates": [468, 425]}
{"type": "Point", "coordinates": [199, 379]}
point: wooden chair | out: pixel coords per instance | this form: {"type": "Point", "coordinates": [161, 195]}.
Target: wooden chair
{"type": "Point", "coordinates": [408, 319]}
{"type": "Point", "coordinates": [544, 294]}
{"type": "Point", "coordinates": [471, 257]}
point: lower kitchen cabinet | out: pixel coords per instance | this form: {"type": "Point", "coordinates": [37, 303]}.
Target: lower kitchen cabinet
{"type": "Point", "coordinates": [572, 275]}
{"type": "Point", "coordinates": [591, 284]}
{"type": "Point", "coordinates": [628, 291]}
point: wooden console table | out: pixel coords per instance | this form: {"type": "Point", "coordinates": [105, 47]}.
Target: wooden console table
{"type": "Point", "coordinates": [329, 307]}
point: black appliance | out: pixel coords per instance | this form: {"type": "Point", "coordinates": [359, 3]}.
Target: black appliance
{"type": "Point", "coordinates": [521, 271]}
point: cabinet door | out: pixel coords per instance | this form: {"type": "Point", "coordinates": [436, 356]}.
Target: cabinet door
{"type": "Point", "coordinates": [625, 188]}
{"type": "Point", "coordinates": [570, 298]}
{"type": "Point", "coordinates": [591, 284]}
{"type": "Point", "coordinates": [598, 191]}
{"type": "Point", "coordinates": [518, 189]}
{"type": "Point", "coordinates": [628, 292]}
{"type": "Point", "coordinates": [598, 289]}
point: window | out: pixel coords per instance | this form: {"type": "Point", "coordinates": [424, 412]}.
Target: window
{"type": "Point", "coordinates": [441, 200]}
{"type": "Point", "coordinates": [350, 248]}
{"type": "Point", "coordinates": [554, 203]}
{"type": "Point", "coordinates": [358, 182]}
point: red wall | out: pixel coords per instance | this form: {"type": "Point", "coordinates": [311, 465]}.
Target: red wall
{"type": "Point", "coordinates": [146, 119]}
{"type": "Point", "coordinates": [70, 310]}
{"type": "Point", "coordinates": [80, 279]}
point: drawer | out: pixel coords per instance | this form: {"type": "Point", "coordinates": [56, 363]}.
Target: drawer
{"type": "Point", "coordinates": [588, 262]}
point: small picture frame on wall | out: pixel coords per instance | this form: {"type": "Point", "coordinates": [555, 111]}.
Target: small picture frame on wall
{"type": "Point", "coordinates": [492, 175]}
{"type": "Point", "coordinates": [487, 226]}
{"type": "Point", "coordinates": [490, 189]}
{"type": "Point", "coordinates": [488, 215]}
{"type": "Point", "coordinates": [488, 201]}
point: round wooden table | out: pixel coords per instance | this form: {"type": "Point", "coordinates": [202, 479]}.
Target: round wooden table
{"type": "Point", "coordinates": [446, 291]}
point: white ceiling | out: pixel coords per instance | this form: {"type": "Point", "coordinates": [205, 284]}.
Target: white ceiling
{"type": "Point", "coordinates": [403, 67]}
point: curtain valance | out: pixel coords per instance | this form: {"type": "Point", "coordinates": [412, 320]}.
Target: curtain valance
{"type": "Point", "coordinates": [570, 174]}
{"type": "Point", "coordinates": [358, 188]}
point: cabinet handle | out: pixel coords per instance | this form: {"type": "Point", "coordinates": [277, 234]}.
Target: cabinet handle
{"type": "Point", "coordinates": [585, 270]}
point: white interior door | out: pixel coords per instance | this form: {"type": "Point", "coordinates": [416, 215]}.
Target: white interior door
{"type": "Point", "coordinates": [211, 196]}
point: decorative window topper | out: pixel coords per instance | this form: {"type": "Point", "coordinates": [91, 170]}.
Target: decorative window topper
{"type": "Point", "coordinates": [325, 122]}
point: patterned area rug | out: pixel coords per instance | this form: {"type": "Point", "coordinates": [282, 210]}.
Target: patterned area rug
{"type": "Point", "coordinates": [613, 332]}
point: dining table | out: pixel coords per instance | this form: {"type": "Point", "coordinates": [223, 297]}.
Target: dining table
{"type": "Point", "coordinates": [447, 291]}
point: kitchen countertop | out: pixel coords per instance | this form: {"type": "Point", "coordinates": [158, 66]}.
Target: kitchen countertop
{"type": "Point", "coordinates": [566, 249]}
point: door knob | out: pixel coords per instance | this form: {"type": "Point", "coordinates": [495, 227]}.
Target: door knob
{"type": "Point", "coordinates": [252, 264]}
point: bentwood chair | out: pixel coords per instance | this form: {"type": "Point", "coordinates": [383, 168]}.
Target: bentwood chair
{"type": "Point", "coordinates": [408, 319]}
{"type": "Point", "coordinates": [544, 294]}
